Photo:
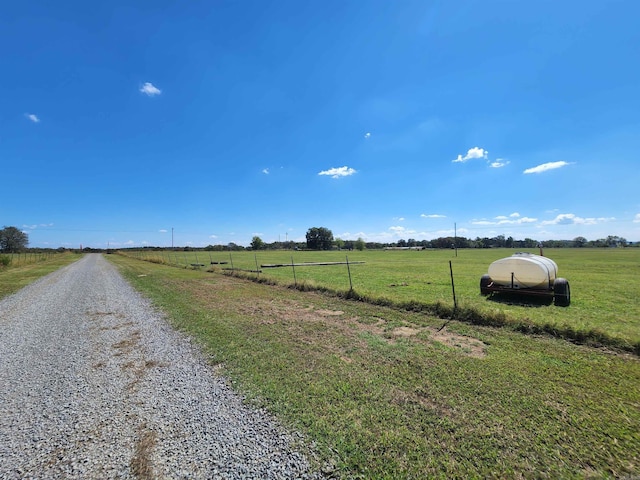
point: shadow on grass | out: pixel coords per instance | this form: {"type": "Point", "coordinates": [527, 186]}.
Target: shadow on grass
{"type": "Point", "coordinates": [520, 299]}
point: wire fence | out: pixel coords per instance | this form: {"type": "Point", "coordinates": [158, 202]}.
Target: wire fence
{"type": "Point", "coordinates": [416, 276]}
{"type": "Point", "coordinates": [604, 306]}
{"type": "Point", "coordinates": [8, 260]}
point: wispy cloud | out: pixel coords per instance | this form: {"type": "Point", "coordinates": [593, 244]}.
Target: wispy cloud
{"type": "Point", "coordinates": [433, 215]}
{"type": "Point", "coordinates": [546, 166]}
{"type": "Point", "coordinates": [265, 171]}
{"type": "Point", "coordinates": [33, 117]}
{"type": "Point", "coordinates": [472, 153]}
{"type": "Point", "coordinates": [367, 135]}
{"type": "Point", "coordinates": [163, 230]}
{"type": "Point", "coordinates": [499, 163]}
{"type": "Point", "coordinates": [637, 218]}
{"type": "Point", "coordinates": [150, 89]}
{"type": "Point", "coordinates": [399, 230]}
{"type": "Point", "coordinates": [572, 219]}
{"type": "Point", "coordinates": [338, 172]}
{"type": "Point", "coordinates": [512, 219]}
{"type": "Point", "coordinates": [41, 225]}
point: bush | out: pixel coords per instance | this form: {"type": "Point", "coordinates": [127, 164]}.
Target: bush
{"type": "Point", "coordinates": [5, 260]}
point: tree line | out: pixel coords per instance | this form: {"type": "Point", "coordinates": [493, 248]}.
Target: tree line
{"type": "Point", "coordinates": [321, 238]}
{"type": "Point", "coordinates": [14, 240]}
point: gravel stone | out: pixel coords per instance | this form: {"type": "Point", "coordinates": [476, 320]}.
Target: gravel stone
{"type": "Point", "coordinates": [97, 385]}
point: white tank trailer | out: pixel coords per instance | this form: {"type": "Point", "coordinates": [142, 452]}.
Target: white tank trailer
{"type": "Point", "coordinates": [526, 274]}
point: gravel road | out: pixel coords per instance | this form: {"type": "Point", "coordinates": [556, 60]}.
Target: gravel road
{"type": "Point", "coordinates": [95, 384]}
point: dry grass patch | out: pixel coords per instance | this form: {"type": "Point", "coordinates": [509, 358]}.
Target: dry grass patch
{"type": "Point", "coordinates": [141, 465]}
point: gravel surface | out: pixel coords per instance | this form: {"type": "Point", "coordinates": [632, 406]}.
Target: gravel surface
{"type": "Point", "coordinates": [95, 384]}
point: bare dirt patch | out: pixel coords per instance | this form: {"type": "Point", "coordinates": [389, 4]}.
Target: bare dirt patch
{"type": "Point", "coordinates": [465, 345]}
{"type": "Point", "coordinates": [405, 331]}
{"type": "Point", "coordinates": [329, 313]}
{"type": "Point", "coordinates": [128, 344]}
{"type": "Point", "coordinates": [468, 345]}
{"type": "Point", "coordinates": [293, 316]}
{"type": "Point", "coordinates": [141, 465]}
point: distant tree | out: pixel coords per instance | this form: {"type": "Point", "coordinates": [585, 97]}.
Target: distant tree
{"type": "Point", "coordinates": [339, 243]}
{"type": "Point", "coordinates": [579, 242]}
{"type": "Point", "coordinates": [509, 242]}
{"type": "Point", "coordinates": [442, 242]}
{"type": "Point", "coordinates": [615, 241]}
{"type": "Point", "coordinates": [257, 243]}
{"type": "Point", "coordinates": [359, 244]}
{"type": "Point", "coordinates": [499, 241]}
{"type": "Point", "coordinates": [319, 238]}
{"type": "Point", "coordinates": [13, 240]}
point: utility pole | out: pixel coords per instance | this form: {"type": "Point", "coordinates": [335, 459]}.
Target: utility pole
{"type": "Point", "coordinates": [455, 238]}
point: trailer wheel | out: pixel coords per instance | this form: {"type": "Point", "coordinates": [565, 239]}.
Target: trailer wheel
{"type": "Point", "coordinates": [561, 292]}
{"type": "Point", "coordinates": [485, 281]}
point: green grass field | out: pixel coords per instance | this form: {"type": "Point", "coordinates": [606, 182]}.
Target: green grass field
{"type": "Point", "coordinates": [387, 393]}
{"type": "Point", "coordinates": [22, 269]}
{"type": "Point", "coordinates": [384, 394]}
{"type": "Point", "coordinates": [605, 284]}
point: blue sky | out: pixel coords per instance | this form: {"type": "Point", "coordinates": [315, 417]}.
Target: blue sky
{"type": "Point", "coordinates": [221, 120]}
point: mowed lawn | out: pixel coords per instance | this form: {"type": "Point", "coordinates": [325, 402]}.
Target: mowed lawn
{"type": "Point", "coordinates": [605, 282]}
{"type": "Point", "coordinates": [389, 393]}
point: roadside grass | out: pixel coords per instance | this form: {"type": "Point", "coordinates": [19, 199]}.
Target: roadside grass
{"type": "Point", "coordinates": [384, 394]}
{"type": "Point", "coordinates": [605, 286]}
{"type": "Point", "coordinates": [20, 273]}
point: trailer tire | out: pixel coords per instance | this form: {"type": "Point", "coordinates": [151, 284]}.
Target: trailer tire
{"type": "Point", "coordinates": [485, 281]}
{"type": "Point", "coordinates": [561, 292]}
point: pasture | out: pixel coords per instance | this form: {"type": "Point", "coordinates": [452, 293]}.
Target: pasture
{"type": "Point", "coordinates": [605, 285]}
{"type": "Point", "coordinates": [388, 393]}
{"type": "Point", "coordinates": [20, 269]}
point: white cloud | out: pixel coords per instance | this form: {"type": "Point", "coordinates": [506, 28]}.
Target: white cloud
{"type": "Point", "coordinates": [472, 153]}
{"type": "Point", "coordinates": [338, 172]}
{"type": "Point", "coordinates": [163, 230]}
{"type": "Point", "coordinates": [149, 89]}
{"type": "Point", "coordinates": [499, 163]}
{"type": "Point", "coordinates": [265, 171]}
{"type": "Point", "coordinates": [367, 135]}
{"type": "Point", "coordinates": [33, 117]}
{"type": "Point", "coordinates": [546, 166]}
{"type": "Point", "coordinates": [502, 220]}
{"type": "Point", "coordinates": [398, 230]}
{"type": "Point", "coordinates": [572, 219]}
{"type": "Point", "coordinates": [637, 218]}
{"type": "Point", "coordinates": [432, 216]}
{"type": "Point", "coordinates": [213, 236]}
{"type": "Point", "coordinates": [41, 225]}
